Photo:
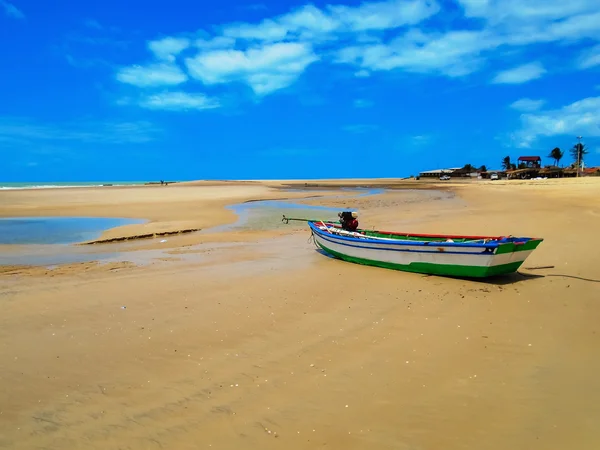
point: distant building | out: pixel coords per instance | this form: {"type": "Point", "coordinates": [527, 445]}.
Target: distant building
{"type": "Point", "coordinates": [591, 171]}
{"type": "Point", "coordinates": [531, 162]}
{"type": "Point", "coordinates": [438, 172]}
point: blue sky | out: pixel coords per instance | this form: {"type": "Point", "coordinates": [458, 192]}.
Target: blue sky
{"type": "Point", "coordinates": [284, 89]}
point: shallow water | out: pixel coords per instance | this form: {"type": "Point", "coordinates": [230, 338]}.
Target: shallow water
{"type": "Point", "coordinates": [56, 230]}
{"type": "Point", "coordinates": [45, 241]}
{"type": "Point", "coordinates": [267, 214]}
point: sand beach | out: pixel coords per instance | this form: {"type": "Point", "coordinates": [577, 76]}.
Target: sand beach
{"type": "Point", "coordinates": [245, 337]}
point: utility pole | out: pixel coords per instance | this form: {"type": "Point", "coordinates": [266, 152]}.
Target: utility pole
{"type": "Point", "coordinates": [578, 154]}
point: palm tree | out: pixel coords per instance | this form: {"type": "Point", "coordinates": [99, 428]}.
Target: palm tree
{"type": "Point", "coordinates": [506, 164]}
{"type": "Point", "coordinates": [556, 154]}
{"type": "Point", "coordinates": [483, 169]}
{"type": "Point", "coordinates": [578, 152]}
{"type": "Point", "coordinates": [468, 168]}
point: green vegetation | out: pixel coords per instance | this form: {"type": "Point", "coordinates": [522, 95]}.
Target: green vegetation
{"type": "Point", "coordinates": [507, 164]}
{"type": "Point", "coordinates": [578, 152]}
{"type": "Point", "coordinates": [556, 154]}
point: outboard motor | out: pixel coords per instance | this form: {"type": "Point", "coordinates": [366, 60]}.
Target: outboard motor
{"type": "Point", "coordinates": [348, 220]}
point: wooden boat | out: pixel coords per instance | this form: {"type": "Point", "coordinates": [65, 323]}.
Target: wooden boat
{"type": "Point", "coordinates": [446, 255]}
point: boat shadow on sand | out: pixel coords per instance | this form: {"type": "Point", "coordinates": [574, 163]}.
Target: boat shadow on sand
{"type": "Point", "coordinates": [503, 280]}
{"type": "Point", "coordinates": [498, 280]}
{"type": "Point", "coordinates": [517, 277]}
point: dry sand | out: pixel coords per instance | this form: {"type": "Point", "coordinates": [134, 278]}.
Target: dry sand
{"type": "Point", "coordinates": [265, 343]}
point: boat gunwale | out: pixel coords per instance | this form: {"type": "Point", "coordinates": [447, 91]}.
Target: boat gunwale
{"type": "Point", "coordinates": [495, 243]}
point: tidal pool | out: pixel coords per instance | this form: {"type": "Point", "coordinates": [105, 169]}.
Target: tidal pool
{"type": "Point", "coordinates": [267, 214]}
{"type": "Point", "coordinates": [56, 230]}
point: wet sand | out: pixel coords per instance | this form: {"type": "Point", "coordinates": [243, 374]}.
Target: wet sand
{"type": "Point", "coordinates": [168, 209]}
{"type": "Point", "coordinates": [264, 343]}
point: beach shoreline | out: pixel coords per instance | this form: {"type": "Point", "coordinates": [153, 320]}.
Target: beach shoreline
{"type": "Point", "coordinates": [215, 224]}
{"type": "Point", "coordinates": [198, 210]}
{"type": "Point", "coordinates": [168, 211]}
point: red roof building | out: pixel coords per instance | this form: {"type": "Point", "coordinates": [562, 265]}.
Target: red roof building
{"type": "Point", "coordinates": [531, 161]}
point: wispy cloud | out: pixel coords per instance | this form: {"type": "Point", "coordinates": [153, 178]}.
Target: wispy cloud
{"type": "Point", "coordinates": [520, 74]}
{"type": "Point", "coordinates": [527, 104]}
{"type": "Point", "coordinates": [590, 58]}
{"type": "Point", "coordinates": [275, 51]}
{"type": "Point", "coordinates": [179, 101]}
{"type": "Point", "coordinates": [158, 74]}
{"type": "Point", "coordinates": [362, 103]}
{"type": "Point", "coordinates": [94, 24]}
{"type": "Point", "coordinates": [265, 68]}
{"type": "Point", "coordinates": [377, 36]}
{"type": "Point", "coordinates": [22, 131]}
{"type": "Point", "coordinates": [169, 47]}
{"type": "Point", "coordinates": [578, 118]}
{"type": "Point", "coordinates": [11, 10]}
{"type": "Point", "coordinates": [421, 139]}
{"type": "Point", "coordinates": [309, 22]}
{"type": "Point", "coordinates": [452, 54]}
{"type": "Point", "coordinates": [219, 42]}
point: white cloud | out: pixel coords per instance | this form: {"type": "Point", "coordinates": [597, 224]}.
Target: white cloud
{"type": "Point", "coordinates": [220, 42]}
{"type": "Point", "coordinates": [267, 30]}
{"type": "Point", "coordinates": [590, 58]}
{"type": "Point", "coordinates": [362, 103]}
{"type": "Point", "coordinates": [497, 11]}
{"type": "Point", "coordinates": [536, 21]}
{"type": "Point", "coordinates": [373, 36]}
{"type": "Point", "coordinates": [384, 15]}
{"type": "Point", "coordinates": [520, 74]}
{"type": "Point", "coordinates": [24, 131]}
{"type": "Point", "coordinates": [168, 48]}
{"type": "Point", "coordinates": [579, 118]}
{"type": "Point", "coordinates": [527, 104]}
{"type": "Point", "coordinates": [179, 101]}
{"type": "Point", "coordinates": [422, 139]}
{"type": "Point", "coordinates": [453, 54]}
{"type": "Point", "coordinates": [311, 22]}
{"type": "Point", "coordinates": [158, 74]}
{"type": "Point", "coordinates": [11, 10]}
{"type": "Point", "coordinates": [461, 52]}
{"type": "Point", "coordinates": [264, 68]}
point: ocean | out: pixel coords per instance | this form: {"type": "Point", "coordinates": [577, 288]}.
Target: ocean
{"type": "Point", "coordinates": [69, 184]}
